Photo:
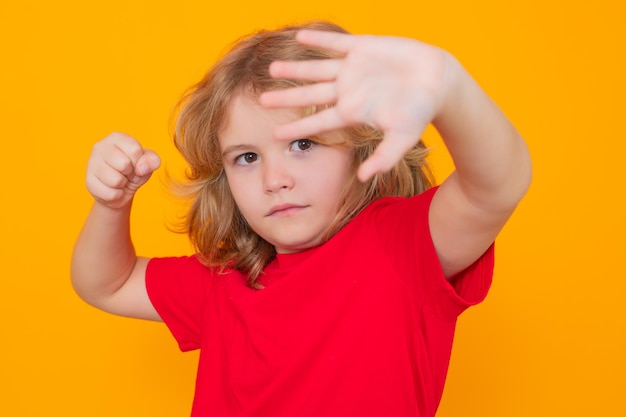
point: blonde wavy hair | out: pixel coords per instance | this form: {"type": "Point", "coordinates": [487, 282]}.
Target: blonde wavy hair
{"type": "Point", "coordinates": [216, 227]}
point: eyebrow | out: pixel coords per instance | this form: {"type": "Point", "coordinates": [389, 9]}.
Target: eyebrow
{"type": "Point", "coordinates": [236, 148]}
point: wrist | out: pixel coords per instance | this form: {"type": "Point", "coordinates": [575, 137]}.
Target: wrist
{"type": "Point", "coordinates": [113, 209]}
{"type": "Point", "coordinates": [460, 94]}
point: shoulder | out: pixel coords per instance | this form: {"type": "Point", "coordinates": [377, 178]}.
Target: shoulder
{"type": "Point", "coordinates": [395, 225]}
{"type": "Point", "coordinates": [398, 212]}
{"type": "Point", "coordinates": [184, 273]}
{"type": "Point", "coordinates": [176, 265]}
{"type": "Point", "coordinates": [188, 272]}
{"type": "Point", "coordinates": [419, 201]}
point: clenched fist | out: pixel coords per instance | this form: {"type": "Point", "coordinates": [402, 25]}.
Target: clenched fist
{"type": "Point", "coordinates": [117, 167]}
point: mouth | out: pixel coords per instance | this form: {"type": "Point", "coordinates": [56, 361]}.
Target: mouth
{"type": "Point", "coordinates": [284, 210]}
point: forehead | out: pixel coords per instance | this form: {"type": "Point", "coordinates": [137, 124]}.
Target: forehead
{"type": "Point", "coordinates": [244, 108]}
{"type": "Point", "coordinates": [246, 120]}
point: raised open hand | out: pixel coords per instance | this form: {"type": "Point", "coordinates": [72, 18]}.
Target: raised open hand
{"type": "Point", "coordinates": [396, 85]}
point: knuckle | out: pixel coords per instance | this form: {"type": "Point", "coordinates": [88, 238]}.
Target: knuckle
{"type": "Point", "coordinates": [134, 150]}
{"type": "Point", "coordinates": [125, 143]}
{"type": "Point", "coordinates": [111, 194]}
{"type": "Point", "coordinates": [121, 163]}
{"type": "Point", "coordinates": [102, 193]}
{"type": "Point", "coordinates": [117, 136]}
{"type": "Point", "coordinates": [118, 181]}
{"type": "Point", "coordinates": [99, 147]}
{"type": "Point", "coordinates": [92, 184]}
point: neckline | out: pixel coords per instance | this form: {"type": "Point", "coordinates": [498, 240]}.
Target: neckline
{"type": "Point", "coordinates": [290, 260]}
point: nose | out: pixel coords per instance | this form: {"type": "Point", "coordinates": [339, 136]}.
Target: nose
{"type": "Point", "coordinates": [277, 177]}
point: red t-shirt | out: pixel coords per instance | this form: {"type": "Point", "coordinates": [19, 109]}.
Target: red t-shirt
{"type": "Point", "coordinates": [359, 326]}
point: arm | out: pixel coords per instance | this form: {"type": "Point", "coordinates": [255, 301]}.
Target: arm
{"type": "Point", "coordinates": [492, 174]}
{"type": "Point", "coordinates": [106, 272]}
{"type": "Point", "coordinates": [400, 86]}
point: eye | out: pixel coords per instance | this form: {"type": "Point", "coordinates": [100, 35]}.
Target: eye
{"type": "Point", "coordinates": [302, 145]}
{"type": "Point", "coordinates": [246, 158]}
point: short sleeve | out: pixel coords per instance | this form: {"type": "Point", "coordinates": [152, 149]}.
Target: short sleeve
{"type": "Point", "coordinates": [467, 288]}
{"type": "Point", "coordinates": [404, 231]}
{"type": "Point", "coordinates": [178, 289]}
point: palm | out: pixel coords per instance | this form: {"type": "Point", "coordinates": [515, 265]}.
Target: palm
{"type": "Point", "coordinates": [389, 83]}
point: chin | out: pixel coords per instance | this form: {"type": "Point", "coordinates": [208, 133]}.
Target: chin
{"type": "Point", "coordinates": [292, 247]}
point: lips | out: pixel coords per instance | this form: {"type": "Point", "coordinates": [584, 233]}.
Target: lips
{"type": "Point", "coordinates": [281, 210]}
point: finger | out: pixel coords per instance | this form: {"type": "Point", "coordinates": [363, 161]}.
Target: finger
{"type": "Point", "coordinates": [102, 192]}
{"type": "Point", "coordinates": [127, 145]}
{"type": "Point", "coordinates": [307, 95]}
{"type": "Point", "coordinates": [316, 124]}
{"type": "Point", "coordinates": [117, 160]}
{"type": "Point", "coordinates": [147, 163]}
{"type": "Point", "coordinates": [387, 154]}
{"type": "Point", "coordinates": [111, 177]}
{"type": "Point", "coordinates": [333, 41]}
{"type": "Point", "coordinates": [309, 70]}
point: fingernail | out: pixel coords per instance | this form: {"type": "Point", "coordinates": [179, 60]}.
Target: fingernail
{"type": "Point", "coordinates": [142, 169]}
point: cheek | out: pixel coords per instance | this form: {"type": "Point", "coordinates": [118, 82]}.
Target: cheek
{"type": "Point", "coordinates": [238, 191]}
{"type": "Point", "coordinates": [334, 176]}
{"type": "Point", "coordinates": [342, 165]}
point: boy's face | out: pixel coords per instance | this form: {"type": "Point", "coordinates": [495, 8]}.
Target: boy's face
{"type": "Point", "coordinates": [288, 191]}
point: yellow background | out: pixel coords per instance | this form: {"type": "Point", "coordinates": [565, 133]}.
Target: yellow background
{"type": "Point", "coordinates": [548, 341]}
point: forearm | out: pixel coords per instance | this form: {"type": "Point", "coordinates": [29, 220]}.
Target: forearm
{"type": "Point", "coordinates": [491, 158]}
{"type": "Point", "coordinates": [104, 256]}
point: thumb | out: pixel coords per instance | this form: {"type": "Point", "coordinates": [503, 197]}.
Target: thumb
{"type": "Point", "coordinates": [147, 163]}
{"type": "Point", "coordinates": [387, 154]}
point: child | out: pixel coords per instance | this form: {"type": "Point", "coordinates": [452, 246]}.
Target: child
{"type": "Point", "coordinates": [329, 271]}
